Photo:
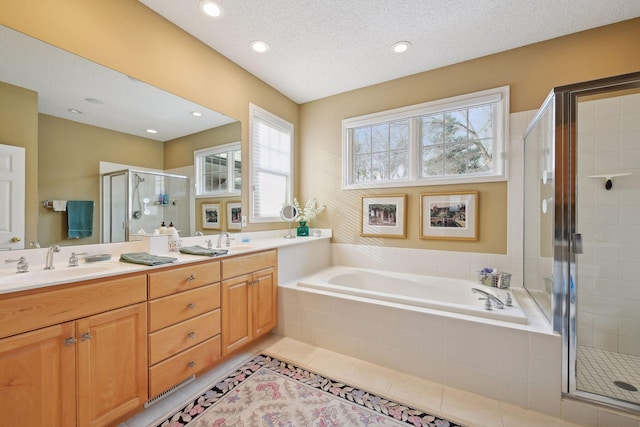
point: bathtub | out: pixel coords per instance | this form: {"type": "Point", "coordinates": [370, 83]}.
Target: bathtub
{"type": "Point", "coordinates": [438, 293]}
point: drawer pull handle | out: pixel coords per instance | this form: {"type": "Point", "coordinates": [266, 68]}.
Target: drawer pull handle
{"type": "Point", "coordinates": [70, 341]}
{"type": "Point", "coordinates": [191, 306]}
{"type": "Point", "coordinates": [86, 336]}
{"type": "Point", "coordinates": [191, 277]}
{"type": "Point", "coordinates": [191, 335]}
{"type": "Point", "coordinates": [192, 364]}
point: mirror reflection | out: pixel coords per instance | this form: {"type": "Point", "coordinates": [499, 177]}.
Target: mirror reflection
{"type": "Point", "coordinates": [79, 121]}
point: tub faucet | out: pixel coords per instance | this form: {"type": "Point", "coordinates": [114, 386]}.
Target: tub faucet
{"type": "Point", "coordinates": [227, 243]}
{"type": "Point", "coordinates": [50, 252]}
{"type": "Point", "coordinates": [490, 297]}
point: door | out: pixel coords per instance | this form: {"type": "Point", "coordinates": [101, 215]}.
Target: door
{"type": "Point", "coordinates": [236, 313]}
{"type": "Point", "coordinates": [12, 191]}
{"type": "Point", "coordinates": [112, 365]}
{"type": "Point", "coordinates": [264, 299]}
{"type": "Point", "coordinates": [37, 378]}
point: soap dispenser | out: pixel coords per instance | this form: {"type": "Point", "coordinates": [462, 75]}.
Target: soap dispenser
{"type": "Point", "coordinates": [163, 228]}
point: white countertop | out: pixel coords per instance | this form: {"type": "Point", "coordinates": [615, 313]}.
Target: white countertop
{"type": "Point", "coordinates": [37, 277]}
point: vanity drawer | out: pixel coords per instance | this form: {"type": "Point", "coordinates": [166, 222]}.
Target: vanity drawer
{"type": "Point", "coordinates": [170, 372]}
{"type": "Point", "coordinates": [51, 306]}
{"type": "Point", "coordinates": [174, 309]}
{"type": "Point", "coordinates": [174, 339]}
{"type": "Point", "coordinates": [245, 264]}
{"type": "Point", "coordinates": [180, 279]}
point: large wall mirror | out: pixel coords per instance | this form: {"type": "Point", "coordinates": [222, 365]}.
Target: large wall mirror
{"type": "Point", "coordinates": [87, 122]}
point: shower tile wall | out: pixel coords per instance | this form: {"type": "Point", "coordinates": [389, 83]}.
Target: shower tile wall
{"type": "Point", "coordinates": [608, 284]}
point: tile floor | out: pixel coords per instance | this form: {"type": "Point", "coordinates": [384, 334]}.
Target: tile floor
{"type": "Point", "coordinates": [596, 370]}
{"type": "Point", "coordinates": [467, 408]}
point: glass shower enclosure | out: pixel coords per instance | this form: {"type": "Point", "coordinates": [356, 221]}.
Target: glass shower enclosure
{"type": "Point", "coordinates": [135, 201]}
{"type": "Point", "coordinates": [582, 233]}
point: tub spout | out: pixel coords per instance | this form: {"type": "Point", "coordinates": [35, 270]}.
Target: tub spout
{"type": "Point", "coordinates": [489, 296]}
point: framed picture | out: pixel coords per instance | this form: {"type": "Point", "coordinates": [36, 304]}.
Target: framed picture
{"type": "Point", "coordinates": [211, 216]}
{"type": "Point", "coordinates": [384, 216]}
{"type": "Point", "coordinates": [449, 216]}
{"type": "Point", "coordinates": [234, 215]}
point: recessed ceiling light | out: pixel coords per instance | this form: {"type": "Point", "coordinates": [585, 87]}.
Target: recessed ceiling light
{"type": "Point", "coordinates": [259, 46]}
{"type": "Point", "coordinates": [196, 113]}
{"type": "Point", "coordinates": [211, 8]}
{"type": "Point", "coordinates": [74, 111]}
{"type": "Point", "coordinates": [400, 47]}
{"type": "Point", "coordinates": [94, 101]}
{"type": "Point", "coordinates": [152, 131]}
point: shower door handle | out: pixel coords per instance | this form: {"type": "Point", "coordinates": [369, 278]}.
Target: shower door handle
{"type": "Point", "coordinates": [576, 243]}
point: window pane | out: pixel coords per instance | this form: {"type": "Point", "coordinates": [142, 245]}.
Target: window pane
{"type": "Point", "coordinates": [380, 138]}
{"type": "Point", "coordinates": [455, 126]}
{"type": "Point", "coordinates": [480, 158]}
{"type": "Point", "coordinates": [481, 122]}
{"type": "Point", "coordinates": [237, 170]}
{"type": "Point", "coordinates": [432, 161]}
{"type": "Point", "coordinates": [380, 166]}
{"type": "Point", "coordinates": [399, 135]}
{"type": "Point", "coordinates": [362, 169]}
{"type": "Point", "coordinates": [433, 129]}
{"type": "Point", "coordinates": [399, 164]}
{"type": "Point", "coordinates": [362, 140]}
{"type": "Point", "coordinates": [455, 159]}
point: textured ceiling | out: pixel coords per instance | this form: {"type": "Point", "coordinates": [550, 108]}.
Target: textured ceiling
{"type": "Point", "coordinates": [321, 48]}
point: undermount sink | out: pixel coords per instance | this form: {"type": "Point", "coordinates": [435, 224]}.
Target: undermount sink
{"type": "Point", "coordinates": [59, 274]}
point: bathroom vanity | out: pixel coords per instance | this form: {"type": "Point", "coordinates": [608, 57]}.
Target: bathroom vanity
{"type": "Point", "coordinates": [92, 352]}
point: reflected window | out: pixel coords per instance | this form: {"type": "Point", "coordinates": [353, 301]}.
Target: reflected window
{"type": "Point", "coordinates": [271, 164]}
{"type": "Point", "coordinates": [218, 170]}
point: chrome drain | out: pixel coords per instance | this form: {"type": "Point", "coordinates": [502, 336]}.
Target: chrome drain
{"type": "Point", "coordinates": [625, 386]}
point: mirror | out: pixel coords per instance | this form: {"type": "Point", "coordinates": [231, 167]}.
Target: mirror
{"type": "Point", "coordinates": [83, 120]}
{"type": "Point", "coordinates": [289, 213]}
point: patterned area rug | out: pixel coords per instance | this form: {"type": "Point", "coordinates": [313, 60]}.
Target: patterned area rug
{"type": "Point", "coordinates": [267, 392]}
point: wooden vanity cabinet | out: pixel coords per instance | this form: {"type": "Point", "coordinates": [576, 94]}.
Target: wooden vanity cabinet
{"type": "Point", "coordinates": [249, 298]}
{"type": "Point", "coordinates": [74, 354]}
{"type": "Point", "coordinates": [184, 323]}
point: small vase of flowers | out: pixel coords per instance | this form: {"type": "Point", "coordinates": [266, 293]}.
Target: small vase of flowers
{"type": "Point", "coordinates": [311, 209]}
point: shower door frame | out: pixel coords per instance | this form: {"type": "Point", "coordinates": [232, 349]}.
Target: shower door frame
{"type": "Point", "coordinates": [565, 244]}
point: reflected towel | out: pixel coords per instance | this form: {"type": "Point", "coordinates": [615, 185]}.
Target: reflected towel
{"type": "Point", "coordinates": [145, 258]}
{"type": "Point", "coordinates": [199, 250]}
{"type": "Point", "coordinates": [59, 205]}
{"type": "Point", "coordinates": [79, 218]}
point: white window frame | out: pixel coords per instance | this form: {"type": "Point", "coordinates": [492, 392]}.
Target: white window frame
{"type": "Point", "coordinates": [499, 96]}
{"type": "Point", "coordinates": [198, 173]}
{"type": "Point", "coordinates": [256, 112]}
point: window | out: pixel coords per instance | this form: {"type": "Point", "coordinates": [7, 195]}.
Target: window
{"type": "Point", "coordinates": [271, 164]}
{"type": "Point", "coordinates": [455, 140]}
{"type": "Point", "coordinates": [218, 170]}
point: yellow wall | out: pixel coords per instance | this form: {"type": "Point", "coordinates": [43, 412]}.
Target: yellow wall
{"type": "Point", "coordinates": [531, 72]}
{"type": "Point", "coordinates": [69, 168]}
{"type": "Point", "coordinates": [19, 127]}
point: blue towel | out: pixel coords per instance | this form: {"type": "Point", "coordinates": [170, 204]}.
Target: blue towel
{"type": "Point", "coordinates": [79, 218]}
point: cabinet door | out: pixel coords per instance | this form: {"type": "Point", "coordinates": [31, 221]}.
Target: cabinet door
{"type": "Point", "coordinates": [236, 313]}
{"type": "Point", "coordinates": [37, 378]}
{"type": "Point", "coordinates": [112, 365]}
{"type": "Point", "coordinates": [264, 301]}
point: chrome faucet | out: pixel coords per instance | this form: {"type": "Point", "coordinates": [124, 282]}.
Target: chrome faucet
{"type": "Point", "coordinates": [489, 297]}
{"type": "Point", "coordinates": [199, 233]}
{"type": "Point", "coordinates": [23, 266]}
{"type": "Point", "coordinates": [209, 244]}
{"type": "Point", "coordinates": [227, 243]}
{"type": "Point", "coordinates": [50, 252]}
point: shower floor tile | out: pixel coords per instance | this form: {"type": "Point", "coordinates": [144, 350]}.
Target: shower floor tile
{"type": "Point", "coordinates": [596, 371]}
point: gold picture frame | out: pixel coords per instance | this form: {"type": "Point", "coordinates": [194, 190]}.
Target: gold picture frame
{"type": "Point", "coordinates": [211, 216]}
{"type": "Point", "coordinates": [449, 216]}
{"type": "Point", "coordinates": [384, 216]}
{"type": "Point", "coordinates": [234, 215]}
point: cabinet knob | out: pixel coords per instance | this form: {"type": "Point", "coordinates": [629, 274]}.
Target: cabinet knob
{"type": "Point", "coordinates": [192, 364]}
{"type": "Point", "coordinates": [191, 277]}
{"type": "Point", "coordinates": [191, 335]}
{"type": "Point", "coordinates": [70, 341]}
{"type": "Point", "coordinates": [191, 306]}
{"type": "Point", "coordinates": [86, 336]}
